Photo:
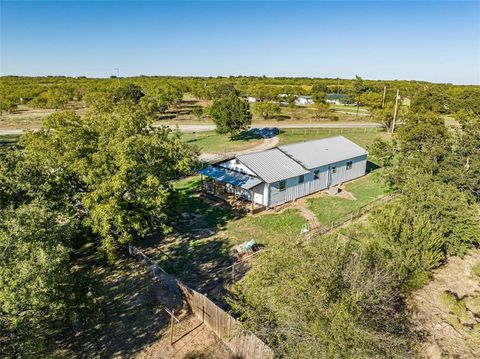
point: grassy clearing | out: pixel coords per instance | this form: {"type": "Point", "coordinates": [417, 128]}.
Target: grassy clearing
{"type": "Point", "coordinates": [348, 108]}
{"type": "Point", "coordinates": [212, 142]}
{"type": "Point", "coordinates": [265, 228]}
{"type": "Point", "coordinates": [361, 136]}
{"type": "Point", "coordinates": [329, 209]}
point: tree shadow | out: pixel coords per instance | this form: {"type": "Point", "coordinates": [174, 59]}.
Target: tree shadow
{"type": "Point", "coordinates": [282, 117]}
{"type": "Point", "coordinates": [196, 252]}
{"type": "Point", "coordinates": [246, 136]}
{"type": "Point", "coordinates": [130, 315]}
{"type": "Point", "coordinates": [372, 166]}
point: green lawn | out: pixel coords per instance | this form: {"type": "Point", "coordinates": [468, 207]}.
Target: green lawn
{"type": "Point", "coordinates": [361, 136]}
{"type": "Point", "coordinates": [348, 108]}
{"type": "Point", "coordinates": [329, 209]}
{"type": "Point", "coordinates": [265, 228]}
{"type": "Point", "coordinates": [210, 141]}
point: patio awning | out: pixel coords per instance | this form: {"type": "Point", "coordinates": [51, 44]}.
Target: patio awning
{"type": "Point", "coordinates": [234, 178]}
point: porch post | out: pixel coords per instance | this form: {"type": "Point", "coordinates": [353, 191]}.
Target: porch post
{"type": "Point", "coordinates": [252, 199]}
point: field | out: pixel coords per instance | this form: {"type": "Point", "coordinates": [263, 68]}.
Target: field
{"type": "Point", "coordinates": [361, 136]}
{"type": "Point", "coordinates": [25, 117]}
{"type": "Point", "coordinates": [210, 141]}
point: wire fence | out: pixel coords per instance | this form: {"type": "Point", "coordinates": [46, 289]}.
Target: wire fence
{"type": "Point", "coordinates": [353, 215]}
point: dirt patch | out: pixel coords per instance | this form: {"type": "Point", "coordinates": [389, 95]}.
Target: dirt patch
{"type": "Point", "coordinates": [446, 312]}
{"type": "Point", "coordinates": [191, 339]}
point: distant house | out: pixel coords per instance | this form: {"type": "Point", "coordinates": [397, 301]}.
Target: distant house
{"type": "Point", "coordinates": [336, 98]}
{"type": "Point", "coordinates": [285, 173]}
{"type": "Point", "coordinates": [304, 100]}
{"type": "Point", "coordinates": [252, 99]}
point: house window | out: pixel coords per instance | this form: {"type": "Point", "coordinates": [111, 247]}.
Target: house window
{"type": "Point", "coordinates": [349, 165]}
{"type": "Point", "coordinates": [334, 169]}
{"type": "Point", "coordinates": [316, 174]}
{"type": "Point", "coordinates": [237, 161]}
{"type": "Point", "coordinates": [301, 179]}
{"type": "Point", "coordinates": [282, 185]}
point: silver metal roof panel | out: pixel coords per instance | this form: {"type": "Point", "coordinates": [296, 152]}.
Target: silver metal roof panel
{"type": "Point", "coordinates": [312, 154]}
{"type": "Point", "coordinates": [272, 165]}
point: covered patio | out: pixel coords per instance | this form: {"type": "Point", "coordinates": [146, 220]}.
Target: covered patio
{"type": "Point", "coordinates": [225, 184]}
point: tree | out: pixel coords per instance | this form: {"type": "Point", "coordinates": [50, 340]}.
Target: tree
{"type": "Point", "coordinates": [266, 109]}
{"type": "Point", "coordinates": [198, 111]}
{"type": "Point", "coordinates": [52, 98]}
{"type": "Point", "coordinates": [35, 285]}
{"type": "Point", "coordinates": [384, 115]}
{"type": "Point", "coordinates": [429, 102]}
{"type": "Point", "coordinates": [7, 104]}
{"type": "Point", "coordinates": [319, 97]}
{"type": "Point", "coordinates": [372, 100]}
{"type": "Point", "coordinates": [225, 90]}
{"type": "Point", "coordinates": [339, 302]}
{"type": "Point", "coordinates": [117, 166]}
{"type": "Point", "coordinates": [130, 92]}
{"type": "Point", "coordinates": [231, 115]}
{"type": "Point", "coordinates": [323, 111]}
{"type": "Point", "coordinates": [432, 220]}
{"type": "Point", "coordinates": [358, 89]}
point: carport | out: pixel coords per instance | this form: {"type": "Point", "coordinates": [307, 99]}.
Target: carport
{"type": "Point", "coordinates": [225, 181]}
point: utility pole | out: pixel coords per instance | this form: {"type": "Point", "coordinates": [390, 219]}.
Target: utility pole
{"type": "Point", "coordinates": [384, 96]}
{"type": "Point", "coordinates": [338, 85]}
{"type": "Point", "coordinates": [397, 97]}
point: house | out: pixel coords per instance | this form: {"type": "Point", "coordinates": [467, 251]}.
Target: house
{"type": "Point", "coordinates": [304, 100]}
{"type": "Point", "coordinates": [285, 173]}
{"type": "Point", "coordinates": [251, 99]}
{"type": "Point", "coordinates": [336, 98]}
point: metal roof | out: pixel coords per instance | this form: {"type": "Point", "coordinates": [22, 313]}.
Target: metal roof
{"type": "Point", "coordinates": [272, 165]}
{"type": "Point", "coordinates": [322, 152]}
{"type": "Point", "coordinates": [235, 178]}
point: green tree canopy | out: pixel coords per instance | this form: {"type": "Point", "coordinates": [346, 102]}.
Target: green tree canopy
{"type": "Point", "coordinates": [35, 284]}
{"type": "Point", "coordinates": [266, 109]}
{"type": "Point", "coordinates": [327, 299]}
{"type": "Point", "coordinates": [116, 167]}
{"type": "Point", "coordinates": [129, 92]}
{"type": "Point", "coordinates": [231, 115]}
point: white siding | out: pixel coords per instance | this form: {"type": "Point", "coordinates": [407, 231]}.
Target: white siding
{"type": "Point", "coordinates": [295, 190]}
{"type": "Point", "coordinates": [236, 165]}
{"type": "Point", "coordinates": [259, 194]}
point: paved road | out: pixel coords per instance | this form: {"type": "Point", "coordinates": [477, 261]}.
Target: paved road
{"type": "Point", "coordinates": [200, 128]}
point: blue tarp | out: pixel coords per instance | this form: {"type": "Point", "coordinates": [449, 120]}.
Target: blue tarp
{"type": "Point", "coordinates": [235, 178]}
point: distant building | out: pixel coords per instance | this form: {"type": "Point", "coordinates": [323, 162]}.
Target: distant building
{"type": "Point", "coordinates": [336, 98]}
{"type": "Point", "coordinates": [252, 99]}
{"type": "Point", "coordinates": [304, 101]}
{"type": "Point", "coordinates": [285, 173]}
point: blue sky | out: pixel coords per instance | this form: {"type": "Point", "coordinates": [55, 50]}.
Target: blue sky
{"type": "Point", "coordinates": [435, 41]}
